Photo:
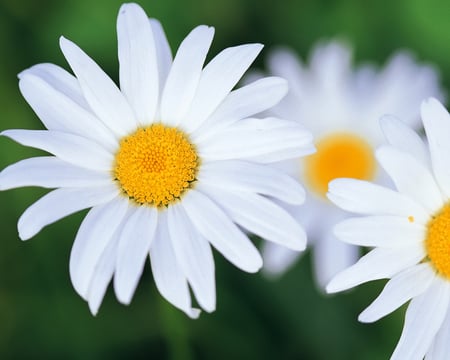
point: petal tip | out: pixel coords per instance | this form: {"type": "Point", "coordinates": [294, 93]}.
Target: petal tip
{"type": "Point", "coordinates": [193, 313]}
{"type": "Point", "coordinates": [122, 295]}
{"type": "Point", "coordinates": [210, 307]}
{"type": "Point", "coordinates": [123, 299]}
{"type": "Point", "coordinates": [93, 308]}
{"type": "Point", "coordinates": [63, 40]}
{"type": "Point", "coordinates": [21, 74]}
{"type": "Point", "coordinates": [254, 268]}
{"type": "Point", "coordinates": [363, 318]}
{"type": "Point", "coordinates": [65, 44]}
{"type": "Point", "coordinates": [24, 236]}
{"type": "Point", "coordinates": [132, 7]}
{"type": "Point", "coordinates": [23, 232]}
{"type": "Point", "coordinates": [331, 287]}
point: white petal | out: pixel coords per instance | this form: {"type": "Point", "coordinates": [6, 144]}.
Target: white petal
{"type": "Point", "coordinates": [258, 215]}
{"type": "Point", "coordinates": [50, 172]}
{"type": "Point", "coordinates": [330, 257]}
{"type": "Point", "coordinates": [331, 62]}
{"type": "Point", "coordinates": [436, 121]}
{"type": "Point", "coordinates": [103, 96]}
{"type": "Point", "coordinates": [102, 276]}
{"type": "Point", "coordinates": [60, 203]}
{"type": "Point", "coordinates": [247, 176]}
{"type": "Point", "coordinates": [402, 75]}
{"type": "Point", "coordinates": [58, 111]}
{"type": "Point", "coordinates": [59, 79]}
{"type": "Point", "coordinates": [441, 346]}
{"type": "Point", "coordinates": [411, 177]}
{"type": "Point", "coordinates": [169, 278]}
{"type": "Point", "coordinates": [183, 78]}
{"type": "Point", "coordinates": [221, 232]}
{"type": "Point", "coordinates": [217, 79]}
{"type": "Point", "coordinates": [163, 52]}
{"type": "Point", "coordinates": [263, 140]}
{"type": "Point", "coordinates": [364, 197]}
{"type": "Point", "coordinates": [312, 209]}
{"type": "Point", "coordinates": [194, 257]}
{"type": "Point", "coordinates": [401, 136]}
{"type": "Point", "coordinates": [244, 102]}
{"type": "Point", "coordinates": [133, 249]}
{"type": "Point", "coordinates": [406, 285]}
{"type": "Point", "coordinates": [379, 263]}
{"type": "Point", "coordinates": [139, 80]}
{"type": "Point", "coordinates": [380, 231]}
{"type": "Point", "coordinates": [285, 63]}
{"type": "Point", "coordinates": [423, 319]}
{"type": "Point", "coordinates": [93, 236]}
{"type": "Point", "coordinates": [278, 259]}
{"type": "Point", "coordinates": [74, 149]}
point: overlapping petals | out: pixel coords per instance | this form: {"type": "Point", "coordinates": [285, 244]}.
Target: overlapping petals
{"type": "Point", "coordinates": [87, 115]}
{"type": "Point", "coordinates": [397, 229]}
{"type": "Point", "coordinates": [329, 96]}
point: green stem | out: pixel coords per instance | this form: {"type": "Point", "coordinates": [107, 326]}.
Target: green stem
{"type": "Point", "coordinates": [174, 325]}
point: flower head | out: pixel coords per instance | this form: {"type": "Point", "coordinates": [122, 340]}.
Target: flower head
{"type": "Point", "coordinates": [409, 230]}
{"type": "Point", "coordinates": [170, 164]}
{"type": "Point", "coordinates": [341, 107]}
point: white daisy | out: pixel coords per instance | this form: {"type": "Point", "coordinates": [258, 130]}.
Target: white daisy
{"type": "Point", "coordinates": [409, 230]}
{"type": "Point", "coordinates": [168, 163]}
{"type": "Point", "coordinates": [341, 107]}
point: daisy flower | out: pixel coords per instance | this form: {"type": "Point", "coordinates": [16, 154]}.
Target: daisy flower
{"type": "Point", "coordinates": [170, 164]}
{"type": "Point", "coordinates": [409, 230]}
{"type": "Point", "coordinates": [341, 107]}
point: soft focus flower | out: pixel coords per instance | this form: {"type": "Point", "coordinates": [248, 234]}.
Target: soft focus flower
{"type": "Point", "coordinates": [168, 163]}
{"type": "Point", "coordinates": [341, 107]}
{"type": "Point", "coordinates": [410, 232]}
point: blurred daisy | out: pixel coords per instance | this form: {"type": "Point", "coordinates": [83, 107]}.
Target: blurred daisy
{"type": "Point", "coordinates": [168, 163]}
{"type": "Point", "coordinates": [410, 233]}
{"type": "Point", "coordinates": [341, 107]}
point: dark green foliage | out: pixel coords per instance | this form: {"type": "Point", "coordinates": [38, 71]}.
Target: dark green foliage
{"type": "Point", "coordinates": [41, 316]}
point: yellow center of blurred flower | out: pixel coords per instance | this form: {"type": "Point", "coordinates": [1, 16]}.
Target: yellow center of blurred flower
{"type": "Point", "coordinates": [437, 242]}
{"type": "Point", "coordinates": [339, 155]}
{"type": "Point", "coordinates": [155, 165]}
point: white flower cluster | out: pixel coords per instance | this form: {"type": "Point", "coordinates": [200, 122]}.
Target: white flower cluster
{"type": "Point", "coordinates": [177, 159]}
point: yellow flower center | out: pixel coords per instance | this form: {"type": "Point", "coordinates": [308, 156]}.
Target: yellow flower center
{"type": "Point", "coordinates": [339, 155]}
{"type": "Point", "coordinates": [437, 242]}
{"type": "Point", "coordinates": [155, 165]}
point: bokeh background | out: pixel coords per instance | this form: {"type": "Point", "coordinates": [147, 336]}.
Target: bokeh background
{"type": "Point", "coordinates": [41, 316]}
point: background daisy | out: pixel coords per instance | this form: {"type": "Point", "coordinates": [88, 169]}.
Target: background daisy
{"type": "Point", "coordinates": [263, 320]}
{"type": "Point", "coordinates": [341, 107]}
{"type": "Point", "coordinates": [167, 163]}
{"type": "Point", "coordinates": [410, 232]}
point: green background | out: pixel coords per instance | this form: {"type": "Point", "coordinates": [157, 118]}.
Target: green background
{"type": "Point", "coordinates": [41, 316]}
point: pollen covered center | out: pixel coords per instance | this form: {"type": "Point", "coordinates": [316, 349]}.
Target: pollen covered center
{"type": "Point", "coordinates": [155, 165]}
{"type": "Point", "coordinates": [339, 155]}
{"type": "Point", "coordinates": [438, 241]}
